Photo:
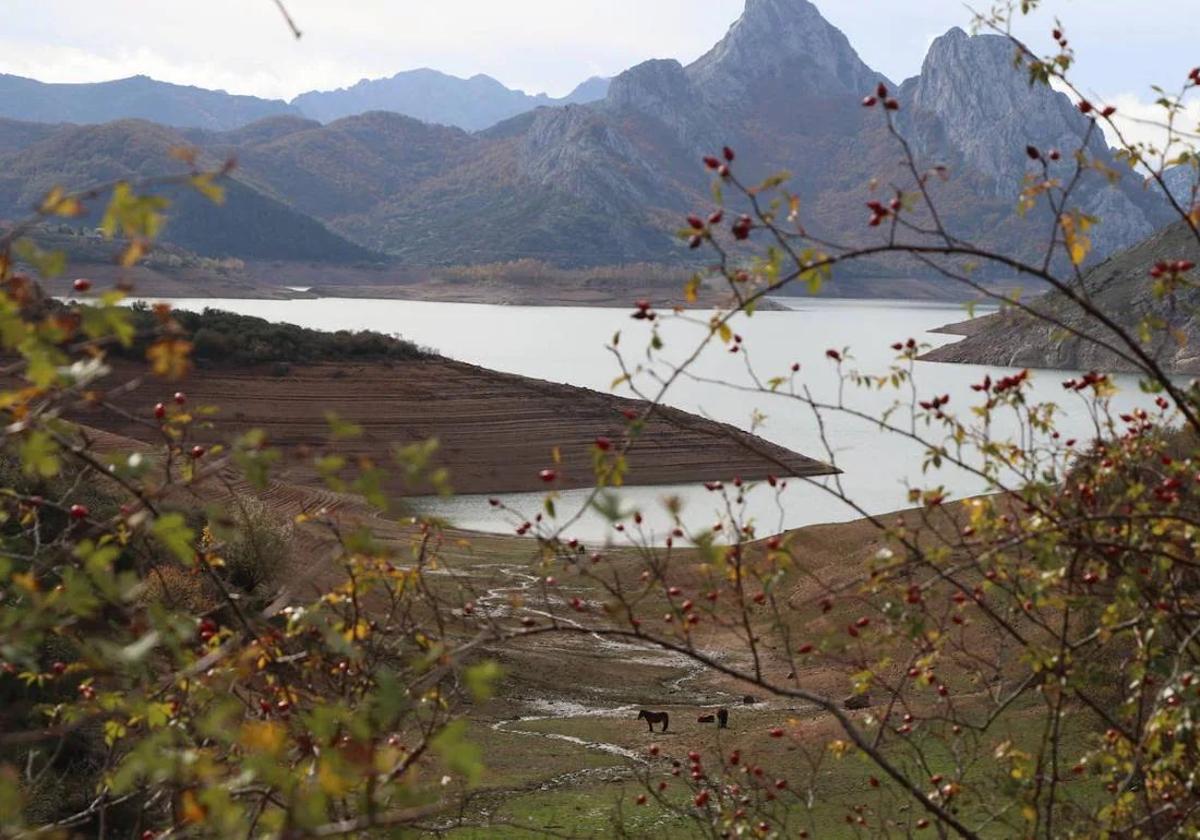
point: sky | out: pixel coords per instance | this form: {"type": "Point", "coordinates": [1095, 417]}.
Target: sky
{"type": "Point", "coordinates": [243, 46]}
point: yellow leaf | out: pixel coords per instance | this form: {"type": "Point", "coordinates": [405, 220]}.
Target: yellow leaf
{"type": "Point", "coordinates": [262, 737]}
{"type": "Point", "coordinates": [170, 357]}
{"type": "Point", "coordinates": [58, 203]}
{"type": "Point", "coordinates": [690, 291]}
{"type": "Point", "coordinates": [724, 331]}
{"type": "Point", "coordinates": [133, 254]}
{"type": "Point", "coordinates": [184, 154]}
{"type": "Point", "coordinates": [204, 185]}
{"type": "Point", "coordinates": [330, 780]}
{"type": "Point", "coordinates": [1078, 244]}
{"type": "Point", "coordinates": [358, 632]}
{"type": "Point", "coordinates": [190, 808]}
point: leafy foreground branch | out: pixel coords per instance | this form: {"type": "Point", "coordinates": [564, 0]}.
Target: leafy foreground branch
{"type": "Point", "coordinates": [180, 658]}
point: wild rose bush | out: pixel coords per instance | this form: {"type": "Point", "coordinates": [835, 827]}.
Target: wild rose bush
{"type": "Point", "coordinates": [1017, 664]}
{"type": "Point", "coordinates": [1022, 663]}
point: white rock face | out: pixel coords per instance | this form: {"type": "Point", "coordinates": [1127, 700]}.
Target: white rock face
{"type": "Point", "coordinates": [579, 151]}
{"type": "Point", "coordinates": [987, 109]}
{"type": "Point", "coordinates": [782, 38]}
{"type": "Point", "coordinates": [1182, 181]}
{"type": "Point", "coordinates": [660, 89]}
{"type": "Point", "coordinates": [985, 113]}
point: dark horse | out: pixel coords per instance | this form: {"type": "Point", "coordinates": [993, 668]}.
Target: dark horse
{"type": "Point", "coordinates": [652, 718]}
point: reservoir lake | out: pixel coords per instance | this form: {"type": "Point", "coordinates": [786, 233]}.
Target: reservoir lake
{"type": "Point", "coordinates": [570, 345]}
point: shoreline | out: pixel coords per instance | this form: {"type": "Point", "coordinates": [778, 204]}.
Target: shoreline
{"type": "Point", "coordinates": [309, 281]}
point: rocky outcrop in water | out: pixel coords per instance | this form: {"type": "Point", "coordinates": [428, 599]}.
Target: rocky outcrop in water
{"type": "Point", "coordinates": [1122, 288]}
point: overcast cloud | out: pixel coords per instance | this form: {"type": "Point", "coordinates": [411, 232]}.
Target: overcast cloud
{"type": "Point", "coordinates": [537, 45]}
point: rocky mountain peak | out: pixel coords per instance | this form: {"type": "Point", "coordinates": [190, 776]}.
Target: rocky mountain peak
{"type": "Point", "coordinates": [649, 85]}
{"type": "Point", "coordinates": [987, 108]}
{"type": "Point", "coordinates": [662, 90]}
{"type": "Point", "coordinates": [777, 38]}
{"type": "Point", "coordinates": [971, 97]}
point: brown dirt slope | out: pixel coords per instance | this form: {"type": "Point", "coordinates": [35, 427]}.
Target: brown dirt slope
{"type": "Point", "coordinates": [496, 431]}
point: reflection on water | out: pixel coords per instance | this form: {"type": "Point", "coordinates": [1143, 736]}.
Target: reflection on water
{"type": "Point", "coordinates": [567, 344]}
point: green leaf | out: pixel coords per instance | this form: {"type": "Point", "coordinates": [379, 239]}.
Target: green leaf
{"type": "Point", "coordinates": [47, 263]}
{"type": "Point", "coordinates": [172, 531]}
{"type": "Point", "coordinates": [341, 429]}
{"type": "Point", "coordinates": [481, 679]}
{"type": "Point", "coordinates": [39, 455]}
{"type": "Point", "coordinates": [460, 755]}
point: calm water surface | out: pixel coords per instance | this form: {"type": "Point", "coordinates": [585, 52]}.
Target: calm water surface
{"type": "Point", "coordinates": [567, 344]}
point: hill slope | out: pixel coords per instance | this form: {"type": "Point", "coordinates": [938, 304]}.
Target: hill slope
{"type": "Point", "coordinates": [1119, 286]}
{"type": "Point", "coordinates": [434, 97]}
{"type": "Point", "coordinates": [249, 224]}
{"type": "Point", "coordinates": [138, 97]}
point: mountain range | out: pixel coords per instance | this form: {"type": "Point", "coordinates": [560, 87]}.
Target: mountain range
{"type": "Point", "coordinates": [427, 95]}
{"type": "Point", "coordinates": [433, 97]}
{"type": "Point", "coordinates": [606, 182]}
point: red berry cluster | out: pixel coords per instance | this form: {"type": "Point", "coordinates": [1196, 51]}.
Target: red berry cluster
{"type": "Point", "coordinates": [742, 227]}
{"type": "Point", "coordinates": [716, 164]}
{"type": "Point", "coordinates": [1194, 76]}
{"type": "Point", "coordinates": [1009, 383]}
{"type": "Point", "coordinates": [1086, 107]}
{"type": "Point", "coordinates": [878, 213]}
{"type": "Point", "coordinates": [642, 311]}
{"type": "Point", "coordinates": [1035, 153]}
{"type": "Point", "coordinates": [1162, 267]}
{"type": "Point", "coordinates": [881, 95]}
{"type": "Point", "coordinates": [1088, 380]}
{"type": "Point", "coordinates": [935, 405]}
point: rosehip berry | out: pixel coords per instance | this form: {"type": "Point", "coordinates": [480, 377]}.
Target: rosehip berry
{"type": "Point", "coordinates": [160, 411]}
{"type": "Point", "coordinates": [548, 476]}
{"type": "Point", "coordinates": [81, 285]}
{"type": "Point", "coordinates": [79, 512]}
{"type": "Point", "coordinates": [180, 398]}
